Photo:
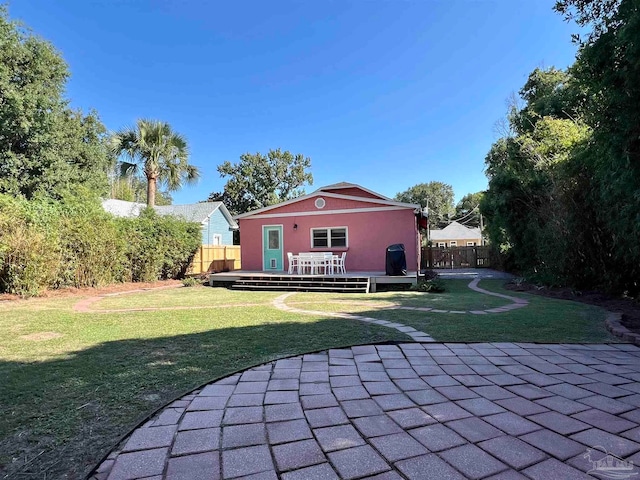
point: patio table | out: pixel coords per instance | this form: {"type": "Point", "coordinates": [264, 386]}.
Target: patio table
{"type": "Point", "coordinates": [314, 261]}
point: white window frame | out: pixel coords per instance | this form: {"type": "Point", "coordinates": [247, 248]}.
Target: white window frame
{"type": "Point", "coordinates": [471, 244]}
{"type": "Point", "coordinates": [453, 243]}
{"type": "Point", "coordinates": [442, 244]}
{"type": "Point", "coordinates": [217, 236]}
{"type": "Point", "coordinates": [328, 230]}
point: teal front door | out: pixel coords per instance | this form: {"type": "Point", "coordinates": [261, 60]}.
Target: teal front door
{"type": "Point", "coordinates": [272, 248]}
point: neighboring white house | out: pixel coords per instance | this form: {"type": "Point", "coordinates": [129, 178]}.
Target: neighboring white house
{"type": "Point", "coordinates": [217, 223]}
{"type": "Point", "coordinates": [456, 235]}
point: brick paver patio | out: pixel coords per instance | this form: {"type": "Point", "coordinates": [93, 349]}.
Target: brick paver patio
{"type": "Point", "coordinates": [413, 411]}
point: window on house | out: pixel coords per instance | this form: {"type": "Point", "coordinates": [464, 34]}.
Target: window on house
{"type": "Point", "coordinates": [328, 237]}
{"type": "Point", "coordinates": [454, 243]}
{"type": "Point", "coordinates": [471, 244]}
{"type": "Point", "coordinates": [442, 245]}
{"type": "Point", "coordinates": [338, 237]}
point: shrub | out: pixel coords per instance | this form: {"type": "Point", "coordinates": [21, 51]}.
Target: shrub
{"type": "Point", "coordinates": [429, 274]}
{"type": "Point", "coordinates": [90, 244]}
{"type": "Point", "coordinates": [434, 285]}
{"type": "Point", "coordinates": [191, 281]}
{"type": "Point", "coordinates": [27, 262]}
{"type": "Point", "coordinates": [27, 259]}
{"type": "Point", "coordinates": [74, 242]}
{"type": "Point", "coordinates": [158, 247]}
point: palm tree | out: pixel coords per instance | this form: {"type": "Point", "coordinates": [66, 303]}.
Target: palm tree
{"type": "Point", "coordinates": [162, 155]}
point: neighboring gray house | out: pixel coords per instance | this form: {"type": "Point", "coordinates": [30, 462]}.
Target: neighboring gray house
{"type": "Point", "coordinates": [217, 223]}
{"type": "Point", "coordinates": [456, 235]}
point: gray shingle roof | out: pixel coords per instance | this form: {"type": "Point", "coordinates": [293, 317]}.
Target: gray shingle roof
{"type": "Point", "coordinates": [338, 185]}
{"type": "Point", "coordinates": [194, 212]}
{"type": "Point", "coordinates": [455, 231]}
{"type": "Point", "coordinates": [122, 208]}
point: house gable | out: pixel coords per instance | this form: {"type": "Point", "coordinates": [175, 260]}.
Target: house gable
{"type": "Point", "coordinates": [216, 229]}
{"type": "Point", "coordinates": [331, 203]}
{"type": "Point", "coordinates": [351, 189]}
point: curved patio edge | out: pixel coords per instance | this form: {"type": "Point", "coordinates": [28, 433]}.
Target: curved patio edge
{"type": "Point", "coordinates": [368, 410]}
{"type": "Point", "coordinates": [92, 473]}
{"type": "Point", "coordinates": [613, 322]}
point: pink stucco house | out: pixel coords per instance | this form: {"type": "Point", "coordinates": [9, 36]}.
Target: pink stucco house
{"type": "Point", "coordinates": [343, 217]}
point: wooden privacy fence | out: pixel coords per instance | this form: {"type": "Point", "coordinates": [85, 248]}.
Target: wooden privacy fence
{"type": "Point", "coordinates": [456, 257]}
{"type": "Point", "coordinates": [216, 258]}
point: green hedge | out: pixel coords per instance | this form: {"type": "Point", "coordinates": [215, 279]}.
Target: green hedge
{"type": "Point", "coordinates": [74, 242]}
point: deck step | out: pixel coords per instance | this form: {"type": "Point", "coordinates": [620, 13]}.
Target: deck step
{"type": "Point", "coordinates": [288, 278]}
{"type": "Point", "coordinates": [361, 282]}
{"type": "Point", "coordinates": [306, 282]}
{"type": "Point", "coordinates": [303, 284]}
{"type": "Point", "coordinates": [299, 288]}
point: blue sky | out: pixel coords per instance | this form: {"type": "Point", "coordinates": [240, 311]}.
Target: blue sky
{"type": "Point", "coordinates": [384, 93]}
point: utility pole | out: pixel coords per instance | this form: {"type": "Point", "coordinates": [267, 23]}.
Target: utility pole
{"type": "Point", "coordinates": [481, 231]}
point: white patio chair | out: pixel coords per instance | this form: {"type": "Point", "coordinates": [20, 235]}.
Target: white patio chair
{"type": "Point", "coordinates": [293, 263]}
{"type": "Point", "coordinates": [318, 262]}
{"type": "Point", "coordinates": [326, 263]}
{"type": "Point", "coordinates": [305, 261]}
{"type": "Point", "coordinates": [337, 265]}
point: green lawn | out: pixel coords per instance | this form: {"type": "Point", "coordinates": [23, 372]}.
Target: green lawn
{"type": "Point", "coordinates": [457, 297]}
{"type": "Point", "coordinates": [72, 396]}
{"type": "Point", "coordinates": [73, 383]}
{"type": "Point", "coordinates": [177, 298]}
{"type": "Point", "coordinates": [543, 320]}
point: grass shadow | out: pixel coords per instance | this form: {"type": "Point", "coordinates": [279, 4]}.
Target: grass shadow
{"type": "Point", "coordinates": [62, 415]}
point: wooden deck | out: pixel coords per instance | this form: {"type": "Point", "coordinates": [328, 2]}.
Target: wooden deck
{"type": "Point", "coordinates": [353, 281]}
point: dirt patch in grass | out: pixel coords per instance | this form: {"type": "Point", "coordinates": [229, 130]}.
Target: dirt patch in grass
{"type": "Point", "coordinates": [41, 336]}
{"type": "Point", "coordinates": [629, 308]}
{"type": "Point", "coordinates": [113, 288]}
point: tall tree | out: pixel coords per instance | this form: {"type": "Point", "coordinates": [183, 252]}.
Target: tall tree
{"type": "Point", "coordinates": [45, 147]}
{"type": "Point", "coordinates": [161, 154]}
{"type": "Point", "coordinates": [437, 196]}
{"type": "Point", "coordinates": [533, 204]}
{"type": "Point", "coordinates": [564, 188]}
{"type": "Point", "coordinates": [597, 13]}
{"type": "Point", "coordinates": [468, 209]}
{"type": "Point", "coordinates": [608, 69]}
{"type": "Point", "coordinates": [258, 180]}
{"type": "Point", "coordinates": [132, 188]}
